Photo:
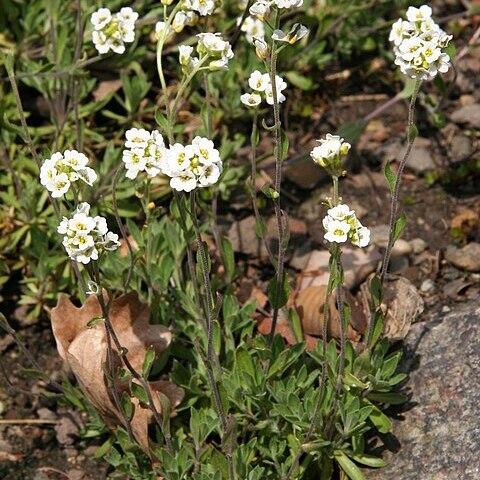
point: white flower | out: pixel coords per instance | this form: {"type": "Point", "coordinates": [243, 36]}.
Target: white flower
{"type": "Point", "coordinates": [111, 242]}
{"type": "Point", "coordinates": [182, 19]}
{"type": "Point", "coordinates": [419, 14]}
{"type": "Point", "coordinates": [419, 44]}
{"type": "Point", "coordinates": [111, 32]}
{"type": "Point", "coordinates": [260, 9]}
{"type": "Point", "coordinates": [185, 54]}
{"type": "Point", "coordinates": [288, 3]}
{"type": "Point", "coordinates": [160, 30]}
{"type": "Point", "coordinates": [361, 236]}
{"type": "Point", "coordinates": [59, 186]}
{"type": "Point", "coordinates": [340, 212]}
{"type": "Point", "coordinates": [85, 236]}
{"type": "Point", "coordinates": [209, 175]}
{"type": "Point", "coordinates": [258, 81]}
{"type": "Point", "coordinates": [261, 47]}
{"type": "Point", "coordinates": [205, 150]}
{"type": "Point", "coordinates": [297, 32]}
{"type": "Point", "coordinates": [87, 174]}
{"type": "Point", "coordinates": [251, 99]}
{"type": "Point", "coordinates": [184, 181]}
{"type": "Point", "coordinates": [337, 231]}
{"type": "Point", "coordinates": [48, 171]}
{"type": "Point", "coordinates": [75, 159]}
{"type": "Point", "coordinates": [137, 138]}
{"type": "Point", "coordinates": [101, 18]}
{"type": "Point", "coordinates": [330, 148]}
{"type": "Point", "coordinates": [253, 27]}
{"type": "Point", "coordinates": [203, 7]}
{"type": "Point", "coordinates": [127, 15]}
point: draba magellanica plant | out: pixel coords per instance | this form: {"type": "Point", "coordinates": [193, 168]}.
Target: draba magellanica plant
{"type": "Point", "coordinates": [252, 407]}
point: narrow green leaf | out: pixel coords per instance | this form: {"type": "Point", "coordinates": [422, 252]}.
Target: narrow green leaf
{"type": "Point", "coordinates": [409, 88]}
{"type": "Point", "coordinates": [285, 145]}
{"type": "Point", "coordinates": [127, 405]}
{"type": "Point", "coordinates": [390, 398]}
{"type": "Point", "coordinates": [298, 80]}
{"type": "Point", "coordinates": [352, 471]}
{"type": "Point", "coordinates": [380, 420]}
{"type": "Point", "coordinates": [228, 258]}
{"type": "Point", "coordinates": [284, 291]}
{"type": "Point", "coordinates": [412, 134]}
{"type": "Point", "coordinates": [379, 320]}
{"type": "Point", "coordinates": [260, 227]}
{"type": "Point", "coordinates": [352, 130]}
{"type": "Point", "coordinates": [148, 361]}
{"type": "Point", "coordinates": [369, 460]}
{"type": "Point", "coordinates": [390, 176]}
{"type": "Point", "coordinates": [5, 325]}
{"type": "Point", "coordinates": [139, 392]}
{"type": "Point", "coordinates": [399, 226]}
{"type": "Point", "coordinates": [94, 321]}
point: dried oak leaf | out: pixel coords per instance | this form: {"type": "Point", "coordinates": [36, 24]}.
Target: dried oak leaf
{"type": "Point", "coordinates": [309, 305]}
{"type": "Point", "coordinates": [85, 351]}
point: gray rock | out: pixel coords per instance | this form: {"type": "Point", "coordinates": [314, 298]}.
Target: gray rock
{"type": "Point", "coordinates": [379, 236]}
{"type": "Point", "coordinates": [466, 258]}
{"type": "Point", "coordinates": [420, 159]}
{"type": "Point", "coordinates": [468, 114]}
{"type": "Point", "coordinates": [439, 436]}
{"type": "Point", "coordinates": [460, 148]}
{"type": "Point", "coordinates": [418, 245]}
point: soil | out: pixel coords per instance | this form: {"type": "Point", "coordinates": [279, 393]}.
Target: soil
{"type": "Point", "coordinates": [39, 436]}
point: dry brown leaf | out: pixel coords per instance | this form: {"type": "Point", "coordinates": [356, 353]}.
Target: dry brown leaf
{"type": "Point", "coordinates": [309, 305]}
{"type": "Point", "coordinates": [85, 351]}
{"type": "Point", "coordinates": [401, 304]}
{"type": "Point", "coordinates": [105, 88]}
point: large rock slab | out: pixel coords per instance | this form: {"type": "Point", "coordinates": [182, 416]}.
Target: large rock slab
{"type": "Point", "coordinates": [440, 436]}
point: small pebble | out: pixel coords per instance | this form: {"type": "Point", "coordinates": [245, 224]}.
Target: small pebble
{"type": "Point", "coordinates": [427, 285]}
{"type": "Point", "coordinates": [418, 245]}
{"type": "Point", "coordinates": [445, 309]}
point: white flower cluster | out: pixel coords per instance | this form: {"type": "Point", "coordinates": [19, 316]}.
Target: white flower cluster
{"type": "Point", "coordinates": [261, 8]}
{"type": "Point", "coordinates": [145, 152]}
{"type": "Point", "coordinates": [210, 46]}
{"type": "Point", "coordinates": [341, 224]}
{"type": "Point", "coordinates": [111, 32]}
{"type": "Point", "coordinates": [419, 43]}
{"type": "Point", "coordinates": [330, 149]}
{"type": "Point", "coordinates": [85, 236]}
{"type": "Point", "coordinates": [191, 9]}
{"type": "Point", "coordinates": [262, 86]}
{"type": "Point", "coordinates": [61, 170]}
{"type": "Point", "coordinates": [252, 27]}
{"type": "Point", "coordinates": [194, 165]}
{"type": "Point", "coordinates": [189, 167]}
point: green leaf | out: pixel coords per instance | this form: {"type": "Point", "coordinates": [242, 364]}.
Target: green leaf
{"type": "Point", "coordinates": [139, 392]}
{"type": "Point", "coordinates": [94, 321]}
{"type": "Point", "coordinates": [409, 88]}
{"type": "Point", "coordinates": [104, 448]}
{"type": "Point", "coordinates": [5, 325]}
{"type": "Point", "coordinates": [390, 398]}
{"type": "Point", "coordinates": [451, 51]}
{"type": "Point", "coordinates": [390, 176]}
{"type": "Point", "coordinates": [352, 471]}
{"type": "Point", "coordinates": [379, 419]}
{"type": "Point", "coordinates": [148, 361]}
{"type": "Point", "coordinates": [368, 460]}
{"type": "Point", "coordinates": [260, 227]}
{"type": "Point", "coordinates": [300, 81]}
{"type": "Point", "coordinates": [352, 130]}
{"type": "Point", "coordinates": [127, 405]}
{"type": "Point", "coordinates": [379, 320]}
{"type": "Point", "coordinates": [285, 145]}
{"type": "Point", "coordinates": [412, 133]}
{"type": "Point", "coordinates": [284, 291]}
{"type": "Point", "coordinates": [399, 226]}
{"type": "Point", "coordinates": [228, 258]}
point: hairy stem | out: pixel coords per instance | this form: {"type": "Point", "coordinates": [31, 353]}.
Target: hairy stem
{"type": "Point", "coordinates": [398, 181]}
{"type": "Point", "coordinates": [278, 183]}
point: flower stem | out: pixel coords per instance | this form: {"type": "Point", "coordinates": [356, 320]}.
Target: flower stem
{"type": "Point", "coordinates": [278, 182]}
{"type": "Point", "coordinates": [398, 181]}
